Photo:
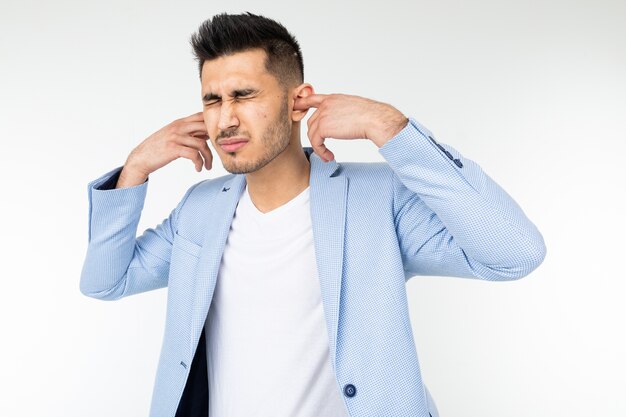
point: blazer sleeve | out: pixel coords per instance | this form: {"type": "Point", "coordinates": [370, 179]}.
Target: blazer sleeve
{"type": "Point", "coordinates": [451, 218]}
{"type": "Point", "coordinates": [118, 263]}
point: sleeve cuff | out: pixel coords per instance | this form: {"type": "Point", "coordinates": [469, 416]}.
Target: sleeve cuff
{"type": "Point", "coordinates": [108, 204]}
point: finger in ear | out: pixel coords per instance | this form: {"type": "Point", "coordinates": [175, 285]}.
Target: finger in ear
{"type": "Point", "coordinates": [301, 91]}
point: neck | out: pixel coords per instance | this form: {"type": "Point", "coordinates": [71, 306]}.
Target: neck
{"type": "Point", "coordinates": [281, 180]}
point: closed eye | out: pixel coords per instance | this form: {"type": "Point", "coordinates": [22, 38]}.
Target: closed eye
{"type": "Point", "coordinates": [210, 99]}
{"type": "Point", "coordinates": [236, 95]}
{"type": "Point", "coordinates": [211, 102]}
{"type": "Point", "coordinates": [245, 93]}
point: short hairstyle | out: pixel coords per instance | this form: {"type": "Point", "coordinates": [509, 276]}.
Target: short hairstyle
{"type": "Point", "coordinates": [226, 34]}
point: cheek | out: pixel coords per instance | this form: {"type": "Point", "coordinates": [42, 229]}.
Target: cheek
{"type": "Point", "coordinates": [211, 119]}
{"type": "Point", "coordinates": [251, 111]}
{"type": "Point", "coordinates": [261, 113]}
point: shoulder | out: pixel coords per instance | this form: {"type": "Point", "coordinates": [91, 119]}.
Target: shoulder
{"type": "Point", "coordinates": [368, 172]}
{"type": "Point", "coordinates": [374, 179]}
{"type": "Point", "coordinates": [204, 191]}
{"type": "Point", "coordinates": [191, 212]}
{"type": "Point", "coordinates": [376, 183]}
{"type": "Point", "coordinates": [213, 185]}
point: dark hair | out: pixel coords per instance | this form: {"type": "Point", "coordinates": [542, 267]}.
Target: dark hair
{"type": "Point", "coordinates": [226, 34]}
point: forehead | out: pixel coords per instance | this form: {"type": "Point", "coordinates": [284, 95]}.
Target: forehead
{"type": "Point", "coordinates": [234, 70]}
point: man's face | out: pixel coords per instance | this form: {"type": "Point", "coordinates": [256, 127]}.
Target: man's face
{"type": "Point", "coordinates": [245, 111]}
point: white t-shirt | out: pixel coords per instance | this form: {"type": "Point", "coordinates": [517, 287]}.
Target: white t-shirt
{"type": "Point", "coordinates": [267, 345]}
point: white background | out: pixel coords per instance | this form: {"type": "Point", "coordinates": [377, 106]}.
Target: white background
{"type": "Point", "coordinates": [534, 91]}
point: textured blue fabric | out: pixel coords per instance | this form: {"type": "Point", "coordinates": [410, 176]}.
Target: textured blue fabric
{"type": "Point", "coordinates": [426, 210]}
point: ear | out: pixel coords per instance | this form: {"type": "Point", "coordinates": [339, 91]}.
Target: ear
{"type": "Point", "coordinates": [301, 91]}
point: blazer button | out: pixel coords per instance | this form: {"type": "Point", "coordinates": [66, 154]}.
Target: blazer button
{"type": "Point", "coordinates": [349, 390]}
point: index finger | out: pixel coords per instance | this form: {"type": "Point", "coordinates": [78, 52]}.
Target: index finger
{"type": "Point", "coordinates": [196, 117]}
{"type": "Point", "coordinates": [305, 103]}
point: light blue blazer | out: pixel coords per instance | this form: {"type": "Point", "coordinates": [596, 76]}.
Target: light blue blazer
{"type": "Point", "coordinates": [425, 211]}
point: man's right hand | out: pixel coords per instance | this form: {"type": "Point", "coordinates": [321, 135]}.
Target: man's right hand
{"type": "Point", "coordinates": [186, 138]}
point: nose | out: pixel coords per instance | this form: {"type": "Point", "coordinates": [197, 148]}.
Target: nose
{"type": "Point", "coordinates": [228, 118]}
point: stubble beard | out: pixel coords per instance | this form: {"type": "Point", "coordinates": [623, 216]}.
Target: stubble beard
{"type": "Point", "coordinates": [275, 140]}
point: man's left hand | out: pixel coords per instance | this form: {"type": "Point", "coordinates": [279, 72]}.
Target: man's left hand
{"type": "Point", "coordinates": [341, 116]}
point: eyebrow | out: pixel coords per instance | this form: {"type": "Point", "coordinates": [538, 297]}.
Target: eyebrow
{"type": "Point", "coordinates": [235, 93]}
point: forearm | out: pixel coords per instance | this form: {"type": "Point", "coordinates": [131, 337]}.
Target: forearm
{"type": "Point", "coordinates": [498, 241]}
{"type": "Point", "coordinates": [113, 263]}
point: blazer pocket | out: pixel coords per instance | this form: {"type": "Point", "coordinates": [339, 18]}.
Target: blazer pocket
{"type": "Point", "coordinates": [186, 245]}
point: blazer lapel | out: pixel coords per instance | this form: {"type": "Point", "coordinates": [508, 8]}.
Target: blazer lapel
{"type": "Point", "coordinates": [219, 219]}
{"type": "Point", "coordinates": [328, 196]}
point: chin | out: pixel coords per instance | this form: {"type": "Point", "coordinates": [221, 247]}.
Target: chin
{"type": "Point", "coordinates": [248, 160]}
{"type": "Point", "coordinates": [242, 166]}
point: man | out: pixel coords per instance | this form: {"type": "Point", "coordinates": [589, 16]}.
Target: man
{"type": "Point", "coordinates": [286, 279]}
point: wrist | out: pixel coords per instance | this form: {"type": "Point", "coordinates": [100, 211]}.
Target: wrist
{"type": "Point", "coordinates": [131, 177]}
{"type": "Point", "coordinates": [389, 127]}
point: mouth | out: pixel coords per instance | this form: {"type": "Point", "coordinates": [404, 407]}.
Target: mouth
{"type": "Point", "coordinates": [232, 144]}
